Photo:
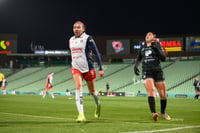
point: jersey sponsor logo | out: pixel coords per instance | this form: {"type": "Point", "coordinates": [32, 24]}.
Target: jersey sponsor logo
{"type": "Point", "coordinates": [76, 57]}
{"type": "Point", "coordinates": [76, 50]}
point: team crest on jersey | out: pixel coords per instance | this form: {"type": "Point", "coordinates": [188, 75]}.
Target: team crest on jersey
{"type": "Point", "coordinates": [148, 52]}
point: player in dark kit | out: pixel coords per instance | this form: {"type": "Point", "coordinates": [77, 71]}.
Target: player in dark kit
{"type": "Point", "coordinates": [151, 53]}
{"type": "Point", "coordinates": [197, 87]}
{"type": "Point", "coordinates": [108, 88]}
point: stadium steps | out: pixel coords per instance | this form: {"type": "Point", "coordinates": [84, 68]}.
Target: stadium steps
{"type": "Point", "coordinates": [61, 83]}
{"type": "Point", "coordinates": [130, 83]}
{"type": "Point", "coordinates": [32, 78]}
{"type": "Point", "coordinates": [120, 76]}
{"type": "Point", "coordinates": [114, 72]}
{"type": "Point", "coordinates": [183, 82]}
{"type": "Point", "coordinates": [124, 86]}
{"type": "Point", "coordinates": [109, 72]}
{"type": "Point", "coordinates": [180, 72]}
{"type": "Point", "coordinates": [6, 71]}
{"type": "Point", "coordinates": [23, 73]}
{"type": "Point", "coordinates": [117, 79]}
{"type": "Point", "coordinates": [59, 77]}
{"type": "Point", "coordinates": [167, 64]}
{"type": "Point", "coordinates": [68, 83]}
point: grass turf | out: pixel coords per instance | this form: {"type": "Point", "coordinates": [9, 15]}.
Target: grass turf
{"type": "Point", "coordinates": [32, 114]}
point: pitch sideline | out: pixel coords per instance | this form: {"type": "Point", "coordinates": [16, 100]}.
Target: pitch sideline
{"type": "Point", "coordinates": [36, 116]}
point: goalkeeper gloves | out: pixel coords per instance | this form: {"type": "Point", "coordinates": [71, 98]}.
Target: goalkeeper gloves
{"type": "Point", "coordinates": [136, 70]}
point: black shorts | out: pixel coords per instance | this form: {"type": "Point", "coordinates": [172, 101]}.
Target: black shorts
{"type": "Point", "coordinates": [157, 75]}
{"type": "Point", "coordinates": [197, 89]}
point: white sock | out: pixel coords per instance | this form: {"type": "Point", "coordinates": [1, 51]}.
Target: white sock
{"type": "Point", "coordinates": [52, 95]}
{"type": "Point", "coordinates": [44, 94]}
{"type": "Point", "coordinates": [96, 98]}
{"type": "Point", "coordinates": [79, 101]}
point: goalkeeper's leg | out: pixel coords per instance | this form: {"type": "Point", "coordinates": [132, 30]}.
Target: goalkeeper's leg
{"type": "Point", "coordinates": [149, 85]}
{"type": "Point", "coordinates": [161, 87]}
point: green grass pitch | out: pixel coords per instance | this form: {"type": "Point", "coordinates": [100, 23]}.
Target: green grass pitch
{"type": "Point", "coordinates": [32, 114]}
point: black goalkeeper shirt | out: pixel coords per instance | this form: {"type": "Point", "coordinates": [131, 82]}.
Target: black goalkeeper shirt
{"type": "Point", "coordinates": [149, 57]}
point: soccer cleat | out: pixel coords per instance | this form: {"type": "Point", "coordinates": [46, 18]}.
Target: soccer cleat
{"type": "Point", "coordinates": [81, 118]}
{"type": "Point", "coordinates": [155, 116]}
{"type": "Point", "coordinates": [165, 116]}
{"type": "Point", "coordinates": [97, 111]}
{"type": "Point", "coordinates": [195, 99]}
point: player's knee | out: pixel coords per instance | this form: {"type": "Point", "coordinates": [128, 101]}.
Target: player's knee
{"type": "Point", "coordinates": [78, 86]}
{"type": "Point", "coordinates": [163, 97]}
{"type": "Point", "coordinates": [151, 92]}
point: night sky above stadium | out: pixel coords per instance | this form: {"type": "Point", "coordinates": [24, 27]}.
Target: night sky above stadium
{"type": "Point", "coordinates": [50, 21]}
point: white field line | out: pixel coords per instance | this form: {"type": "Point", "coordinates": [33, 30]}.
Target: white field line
{"type": "Point", "coordinates": [163, 130]}
{"type": "Point", "coordinates": [36, 116]}
{"type": "Point", "coordinates": [58, 118]}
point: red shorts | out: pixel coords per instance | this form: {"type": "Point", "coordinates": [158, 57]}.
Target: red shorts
{"type": "Point", "coordinates": [48, 86]}
{"type": "Point", "coordinates": [88, 76]}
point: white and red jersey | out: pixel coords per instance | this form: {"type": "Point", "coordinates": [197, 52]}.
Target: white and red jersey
{"type": "Point", "coordinates": [49, 80]}
{"type": "Point", "coordinates": [82, 49]}
{"type": "Point", "coordinates": [3, 82]}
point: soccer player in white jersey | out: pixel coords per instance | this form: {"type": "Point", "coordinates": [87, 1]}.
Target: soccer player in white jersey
{"type": "Point", "coordinates": [3, 83]}
{"type": "Point", "coordinates": [82, 47]}
{"type": "Point", "coordinates": [49, 85]}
